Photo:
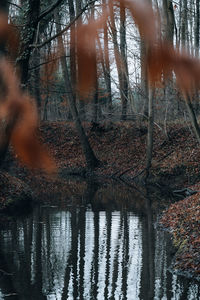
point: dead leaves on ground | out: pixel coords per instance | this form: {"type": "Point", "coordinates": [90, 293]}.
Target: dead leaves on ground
{"type": "Point", "coordinates": [184, 220]}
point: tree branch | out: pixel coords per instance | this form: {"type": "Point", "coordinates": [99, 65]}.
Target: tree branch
{"type": "Point", "coordinates": [49, 10]}
{"type": "Point", "coordinates": [14, 4]}
{"type": "Point", "coordinates": [47, 62]}
{"type": "Point", "coordinates": [63, 30]}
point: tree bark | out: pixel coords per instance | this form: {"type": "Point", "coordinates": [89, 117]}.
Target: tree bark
{"type": "Point", "coordinates": [169, 20]}
{"type": "Point", "coordinates": [107, 65]}
{"type": "Point", "coordinates": [169, 26]}
{"type": "Point", "coordinates": [79, 98]}
{"type": "Point", "coordinates": [96, 87]}
{"type": "Point", "coordinates": [28, 36]}
{"type": "Point", "coordinates": [184, 24]}
{"type": "Point", "coordinates": [188, 97]}
{"type": "Point", "coordinates": [192, 116]}
{"type": "Point", "coordinates": [124, 61]}
{"type": "Point", "coordinates": [72, 48]}
{"type": "Point", "coordinates": [150, 131]}
{"type": "Point", "coordinates": [5, 127]}
{"type": "Point", "coordinates": [196, 37]}
{"type": "Point", "coordinates": [150, 97]}
{"type": "Point", "coordinates": [144, 83]}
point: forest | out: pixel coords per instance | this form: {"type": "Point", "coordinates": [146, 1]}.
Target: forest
{"type": "Point", "coordinates": [102, 92]}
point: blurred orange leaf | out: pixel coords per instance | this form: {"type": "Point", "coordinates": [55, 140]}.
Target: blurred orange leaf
{"type": "Point", "coordinates": [21, 115]}
{"type": "Point", "coordinates": [86, 52]}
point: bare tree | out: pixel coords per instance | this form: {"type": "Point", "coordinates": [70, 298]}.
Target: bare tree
{"type": "Point", "coordinates": [120, 57]}
{"type": "Point", "coordinates": [196, 37]}
{"type": "Point", "coordinates": [107, 65]}
{"type": "Point", "coordinates": [4, 125]}
{"type": "Point", "coordinates": [91, 160]}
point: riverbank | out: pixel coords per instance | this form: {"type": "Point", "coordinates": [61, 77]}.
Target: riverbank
{"type": "Point", "coordinates": [183, 221]}
{"type": "Point", "coordinates": [121, 149]}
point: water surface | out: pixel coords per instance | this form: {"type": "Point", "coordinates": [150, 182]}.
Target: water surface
{"type": "Point", "coordinates": [96, 249]}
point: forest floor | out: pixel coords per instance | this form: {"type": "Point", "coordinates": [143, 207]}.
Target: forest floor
{"type": "Point", "coordinates": [121, 149]}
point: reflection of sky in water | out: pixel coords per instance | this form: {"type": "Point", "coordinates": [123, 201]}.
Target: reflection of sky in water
{"type": "Point", "coordinates": [81, 254]}
{"type": "Point", "coordinates": [62, 247]}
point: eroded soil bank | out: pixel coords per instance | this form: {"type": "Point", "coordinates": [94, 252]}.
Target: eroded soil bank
{"type": "Point", "coordinates": [121, 149]}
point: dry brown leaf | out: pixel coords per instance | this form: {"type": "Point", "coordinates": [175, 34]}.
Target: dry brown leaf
{"type": "Point", "coordinates": [20, 112]}
{"type": "Point", "coordinates": [86, 53]}
{"type": "Point", "coordinates": [9, 35]}
{"type": "Point", "coordinates": [144, 18]}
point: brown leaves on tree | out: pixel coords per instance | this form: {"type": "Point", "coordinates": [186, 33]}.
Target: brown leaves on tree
{"type": "Point", "coordinates": [19, 112]}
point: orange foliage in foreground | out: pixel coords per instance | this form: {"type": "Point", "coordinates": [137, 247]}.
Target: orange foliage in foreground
{"type": "Point", "coordinates": [20, 114]}
{"type": "Point", "coordinates": [162, 57]}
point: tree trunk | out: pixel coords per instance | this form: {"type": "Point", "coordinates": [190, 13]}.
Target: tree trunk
{"type": "Point", "coordinates": [150, 97]}
{"type": "Point", "coordinates": [72, 48]}
{"type": "Point", "coordinates": [192, 116]}
{"type": "Point", "coordinates": [187, 97]}
{"type": "Point", "coordinates": [4, 124]}
{"type": "Point", "coordinates": [118, 59]}
{"type": "Point", "coordinates": [35, 78]}
{"type": "Point", "coordinates": [184, 24]}
{"type": "Point", "coordinates": [91, 160]}
{"type": "Point", "coordinates": [81, 101]}
{"type": "Point", "coordinates": [150, 131]}
{"type": "Point", "coordinates": [196, 37]}
{"type": "Point", "coordinates": [169, 26]}
{"type": "Point", "coordinates": [28, 36]}
{"type": "Point", "coordinates": [124, 60]}
{"type": "Point", "coordinates": [169, 20]}
{"type": "Point", "coordinates": [95, 92]}
{"type": "Point", "coordinates": [144, 83]}
{"type": "Point", "coordinates": [107, 66]}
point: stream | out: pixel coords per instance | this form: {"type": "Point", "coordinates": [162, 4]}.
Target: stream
{"type": "Point", "coordinates": [100, 243]}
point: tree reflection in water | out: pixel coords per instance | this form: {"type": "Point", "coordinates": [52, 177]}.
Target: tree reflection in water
{"type": "Point", "coordinates": [89, 251]}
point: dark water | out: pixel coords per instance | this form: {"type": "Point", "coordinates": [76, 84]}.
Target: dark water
{"type": "Point", "coordinates": [101, 248]}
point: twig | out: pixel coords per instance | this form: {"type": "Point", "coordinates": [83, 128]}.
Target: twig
{"type": "Point", "coordinates": [47, 62]}
{"type": "Point", "coordinates": [139, 173]}
{"type": "Point", "coordinates": [126, 171]}
{"type": "Point", "coordinates": [64, 30]}
{"type": "Point", "coordinates": [170, 152]}
{"type": "Point", "coordinates": [49, 10]}
{"type": "Point", "coordinates": [6, 273]}
{"type": "Point", "coordinates": [14, 4]}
